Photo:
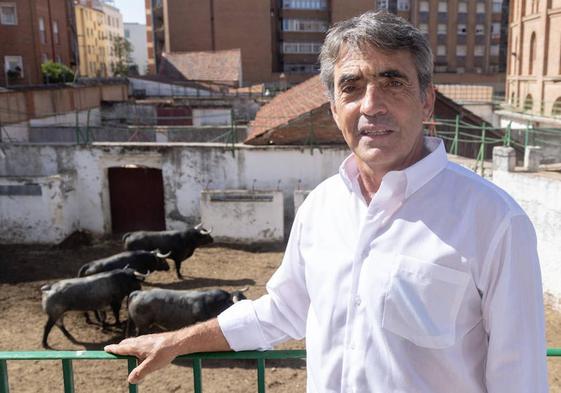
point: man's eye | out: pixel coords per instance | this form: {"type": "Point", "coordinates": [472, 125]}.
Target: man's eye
{"type": "Point", "coordinates": [395, 83]}
{"type": "Point", "coordinates": [347, 89]}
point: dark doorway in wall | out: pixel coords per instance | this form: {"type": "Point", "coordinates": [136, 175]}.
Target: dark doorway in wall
{"type": "Point", "coordinates": [137, 199]}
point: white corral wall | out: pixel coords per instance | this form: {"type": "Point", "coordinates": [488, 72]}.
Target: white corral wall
{"type": "Point", "coordinates": [42, 207]}
{"type": "Point", "coordinates": [244, 216]}
{"type": "Point", "coordinates": [187, 170]}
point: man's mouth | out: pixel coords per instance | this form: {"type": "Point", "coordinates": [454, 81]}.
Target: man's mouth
{"type": "Point", "coordinates": [375, 132]}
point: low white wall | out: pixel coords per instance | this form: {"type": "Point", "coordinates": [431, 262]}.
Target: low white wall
{"type": "Point", "coordinates": [539, 194]}
{"type": "Point", "coordinates": [244, 216]}
{"type": "Point", "coordinates": [85, 117]}
{"type": "Point", "coordinates": [187, 170]}
{"type": "Point", "coordinates": [17, 132]}
{"type": "Point", "coordinates": [299, 197]}
{"type": "Point", "coordinates": [37, 209]}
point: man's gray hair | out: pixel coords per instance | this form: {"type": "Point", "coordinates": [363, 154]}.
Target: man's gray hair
{"type": "Point", "coordinates": [381, 30]}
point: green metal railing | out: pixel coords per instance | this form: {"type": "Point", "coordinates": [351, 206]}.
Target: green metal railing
{"type": "Point", "coordinates": [67, 357]}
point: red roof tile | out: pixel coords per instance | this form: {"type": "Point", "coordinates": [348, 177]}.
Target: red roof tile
{"type": "Point", "coordinates": [289, 107]}
{"type": "Point", "coordinates": [219, 66]}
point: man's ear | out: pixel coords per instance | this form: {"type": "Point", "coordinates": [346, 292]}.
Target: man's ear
{"type": "Point", "coordinates": [428, 102]}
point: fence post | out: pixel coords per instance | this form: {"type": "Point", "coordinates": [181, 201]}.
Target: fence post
{"type": "Point", "coordinates": [261, 375]}
{"type": "Point", "coordinates": [132, 363]}
{"type": "Point", "coordinates": [68, 376]}
{"type": "Point", "coordinates": [197, 380]}
{"type": "Point", "coordinates": [526, 135]}
{"type": "Point", "coordinates": [4, 385]}
{"type": "Point", "coordinates": [507, 135]}
{"type": "Point", "coordinates": [456, 136]}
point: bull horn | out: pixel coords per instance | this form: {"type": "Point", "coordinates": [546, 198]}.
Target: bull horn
{"type": "Point", "coordinates": [205, 232]}
{"type": "Point", "coordinates": [140, 275]}
{"type": "Point", "coordinates": [243, 289]}
{"type": "Point", "coordinates": [198, 226]}
{"type": "Point", "coordinates": [159, 255]}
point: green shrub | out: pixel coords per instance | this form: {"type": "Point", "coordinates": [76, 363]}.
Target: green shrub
{"type": "Point", "coordinates": [56, 72]}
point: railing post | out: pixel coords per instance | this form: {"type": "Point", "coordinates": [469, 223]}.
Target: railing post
{"type": "Point", "coordinates": [526, 135]}
{"type": "Point", "coordinates": [261, 375]}
{"type": "Point", "coordinates": [507, 134]}
{"type": "Point", "coordinates": [456, 136]}
{"type": "Point", "coordinates": [197, 378]}
{"type": "Point", "coordinates": [4, 385]}
{"type": "Point", "coordinates": [68, 376]}
{"type": "Point", "coordinates": [132, 363]}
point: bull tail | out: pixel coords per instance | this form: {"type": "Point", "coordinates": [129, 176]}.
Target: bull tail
{"type": "Point", "coordinates": [130, 323]}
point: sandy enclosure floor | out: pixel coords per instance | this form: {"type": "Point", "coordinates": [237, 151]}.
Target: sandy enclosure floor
{"type": "Point", "coordinates": [24, 269]}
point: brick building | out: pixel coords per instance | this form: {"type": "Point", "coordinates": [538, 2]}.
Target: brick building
{"type": "Point", "coordinates": [468, 37]}
{"type": "Point", "coordinates": [33, 32]}
{"type": "Point", "coordinates": [534, 62]}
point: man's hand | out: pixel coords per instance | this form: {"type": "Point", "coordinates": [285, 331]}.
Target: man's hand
{"type": "Point", "coordinates": [153, 351]}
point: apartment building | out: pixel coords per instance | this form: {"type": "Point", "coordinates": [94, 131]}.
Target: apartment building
{"type": "Point", "coordinates": [136, 34]}
{"type": "Point", "coordinates": [284, 37]}
{"type": "Point", "coordinates": [92, 39]}
{"type": "Point", "coordinates": [533, 83]}
{"type": "Point", "coordinates": [33, 32]}
{"type": "Point", "coordinates": [114, 28]}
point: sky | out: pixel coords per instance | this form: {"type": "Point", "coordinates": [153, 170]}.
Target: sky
{"type": "Point", "coordinates": [132, 10]}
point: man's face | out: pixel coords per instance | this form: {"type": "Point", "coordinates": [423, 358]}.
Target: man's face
{"type": "Point", "coordinates": [379, 107]}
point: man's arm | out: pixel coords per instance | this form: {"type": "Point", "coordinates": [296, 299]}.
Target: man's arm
{"type": "Point", "coordinates": [155, 351]}
{"type": "Point", "coordinates": [513, 311]}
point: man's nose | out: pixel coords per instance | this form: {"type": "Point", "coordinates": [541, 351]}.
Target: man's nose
{"type": "Point", "coordinates": [373, 101]}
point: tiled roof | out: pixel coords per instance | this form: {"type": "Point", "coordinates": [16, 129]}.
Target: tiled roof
{"type": "Point", "coordinates": [294, 106]}
{"type": "Point", "coordinates": [219, 66]}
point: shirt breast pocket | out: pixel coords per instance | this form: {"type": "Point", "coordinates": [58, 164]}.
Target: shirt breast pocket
{"type": "Point", "coordinates": [423, 301]}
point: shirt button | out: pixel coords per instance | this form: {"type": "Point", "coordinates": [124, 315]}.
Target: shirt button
{"type": "Point", "coordinates": [358, 301]}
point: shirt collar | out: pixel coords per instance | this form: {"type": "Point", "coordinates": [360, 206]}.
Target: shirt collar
{"type": "Point", "coordinates": [416, 176]}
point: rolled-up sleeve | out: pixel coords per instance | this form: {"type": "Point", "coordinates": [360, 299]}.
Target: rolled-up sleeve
{"type": "Point", "coordinates": [513, 311]}
{"type": "Point", "coordinates": [277, 316]}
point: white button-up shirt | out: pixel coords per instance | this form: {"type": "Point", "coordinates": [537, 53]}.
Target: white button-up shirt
{"type": "Point", "coordinates": [433, 287]}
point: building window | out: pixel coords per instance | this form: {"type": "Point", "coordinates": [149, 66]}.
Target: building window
{"type": "Point", "coordinates": [442, 6]}
{"type": "Point", "coordinates": [303, 25]}
{"type": "Point", "coordinates": [301, 47]}
{"type": "Point", "coordinates": [496, 30]}
{"type": "Point", "coordinates": [480, 8]}
{"type": "Point", "coordinates": [56, 37]}
{"type": "Point", "coordinates": [441, 50]}
{"type": "Point", "coordinates": [497, 6]}
{"type": "Point", "coordinates": [532, 54]}
{"type": "Point", "coordinates": [44, 58]}
{"type": "Point", "coordinates": [479, 29]}
{"type": "Point", "coordinates": [462, 7]}
{"type": "Point", "coordinates": [442, 28]}
{"type": "Point", "coordinates": [301, 68]}
{"type": "Point", "coordinates": [42, 35]}
{"type": "Point", "coordinates": [13, 67]}
{"type": "Point", "coordinates": [424, 6]}
{"type": "Point", "coordinates": [494, 50]}
{"type": "Point", "coordinates": [461, 50]}
{"type": "Point", "coordinates": [424, 28]}
{"type": "Point", "coordinates": [58, 59]}
{"type": "Point", "coordinates": [462, 29]}
{"type": "Point", "coordinates": [305, 4]}
{"type": "Point", "coordinates": [8, 14]}
{"type": "Point", "coordinates": [556, 109]}
{"type": "Point", "coordinates": [382, 4]}
{"type": "Point", "coordinates": [403, 5]}
{"type": "Point", "coordinates": [127, 34]}
{"type": "Point", "coordinates": [479, 50]}
{"type": "Point", "coordinates": [528, 103]}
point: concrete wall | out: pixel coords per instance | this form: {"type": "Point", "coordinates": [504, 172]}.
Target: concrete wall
{"type": "Point", "coordinates": [42, 207]}
{"type": "Point", "coordinates": [244, 216]}
{"type": "Point", "coordinates": [187, 170]}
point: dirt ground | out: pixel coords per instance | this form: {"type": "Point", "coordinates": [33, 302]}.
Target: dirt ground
{"type": "Point", "coordinates": [24, 269]}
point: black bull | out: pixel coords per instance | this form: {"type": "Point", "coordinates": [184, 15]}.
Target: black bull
{"type": "Point", "coordinates": [181, 244]}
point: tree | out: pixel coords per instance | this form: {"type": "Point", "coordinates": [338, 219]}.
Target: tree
{"type": "Point", "coordinates": [56, 72]}
{"type": "Point", "coordinates": [122, 48]}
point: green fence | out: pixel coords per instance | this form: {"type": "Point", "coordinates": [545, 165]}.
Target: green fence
{"type": "Point", "coordinates": [67, 358]}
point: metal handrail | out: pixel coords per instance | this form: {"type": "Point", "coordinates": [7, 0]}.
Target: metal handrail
{"type": "Point", "coordinates": [68, 356]}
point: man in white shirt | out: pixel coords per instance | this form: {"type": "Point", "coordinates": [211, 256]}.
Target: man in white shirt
{"type": "Point", "coordinates": [405, 272]}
